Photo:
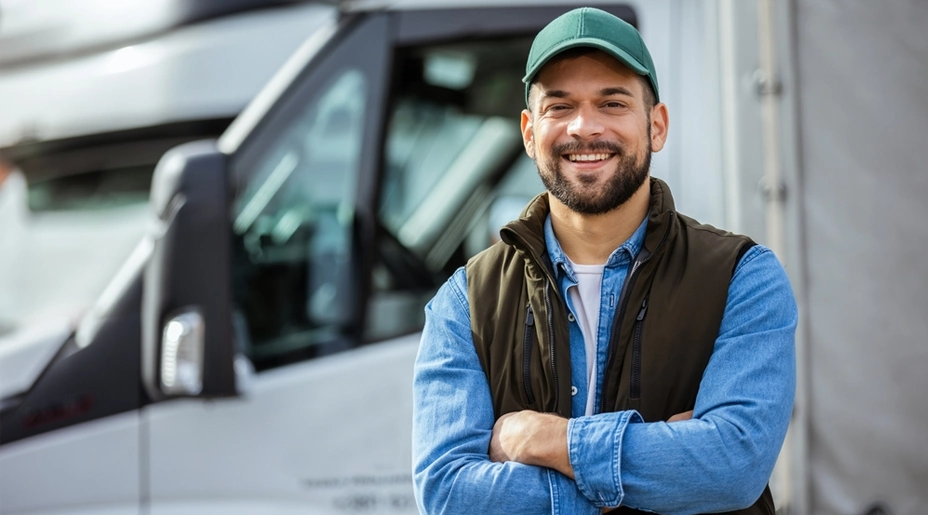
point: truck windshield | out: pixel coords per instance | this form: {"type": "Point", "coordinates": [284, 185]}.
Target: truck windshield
{"type": "Point", "coordinates": [72, 212]}
{"type": "Point", "coordinates": [62, 240]}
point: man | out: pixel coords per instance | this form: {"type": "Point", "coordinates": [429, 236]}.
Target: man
{"type": "Point", "coordinates": [609, 351]}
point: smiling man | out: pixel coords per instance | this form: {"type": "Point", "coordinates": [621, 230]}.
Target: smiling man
{"type": "Point", "coordinates": [609, 352]}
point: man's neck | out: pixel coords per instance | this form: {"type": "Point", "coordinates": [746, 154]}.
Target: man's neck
{"type": "Point", "coordinates": [591, 239]}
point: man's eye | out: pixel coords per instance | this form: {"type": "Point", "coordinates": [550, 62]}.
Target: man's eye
{"type": "Point", "coordinates": [615, 105]}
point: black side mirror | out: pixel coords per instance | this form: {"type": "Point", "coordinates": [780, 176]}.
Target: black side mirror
{"type": "Point", "coordinates": [187, 347]}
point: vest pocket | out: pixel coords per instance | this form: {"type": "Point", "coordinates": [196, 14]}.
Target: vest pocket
{"type": "Point", "coordinates": [635, 386]}
{"type": "Point", "coordinates": [528, 341]}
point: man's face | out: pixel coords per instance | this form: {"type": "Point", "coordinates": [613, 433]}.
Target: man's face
{"type": "Point", "coordinates": [589, 132]}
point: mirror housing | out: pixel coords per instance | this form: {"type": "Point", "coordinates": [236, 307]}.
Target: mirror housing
{"type": "Point", "coordinates": [187, 334]}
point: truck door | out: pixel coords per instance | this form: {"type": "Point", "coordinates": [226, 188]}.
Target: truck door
{"type": "Point", "coordinates": [298, 431]}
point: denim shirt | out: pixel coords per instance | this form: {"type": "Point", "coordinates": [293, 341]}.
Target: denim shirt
{"type": "Point", "coordinates": [720, 460]}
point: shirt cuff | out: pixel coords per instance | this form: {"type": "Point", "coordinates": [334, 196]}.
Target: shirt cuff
{"type": "Point", "coordinates": [566, 498]}
{"type": "Point", "coordinates": [594, 445]}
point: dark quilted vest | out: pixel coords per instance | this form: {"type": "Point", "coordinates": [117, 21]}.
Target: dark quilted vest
{"type": "Point", "coordinates": [666, 323]}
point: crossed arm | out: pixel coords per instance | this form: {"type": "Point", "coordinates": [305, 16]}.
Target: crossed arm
{"type": "Point", "coordinates": [538, 439]}
{"type": "Point", "coordinates": [467, 461]}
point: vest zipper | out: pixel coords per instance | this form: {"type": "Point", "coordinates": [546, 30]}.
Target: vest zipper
{"type": "Point", "coordinates": [551, 343]}
{"type": "Point", "coordinates": [643, 257]}
{"type": "Point", "coordinates": [528, 341]}
{"type": "Point", "coordinates": [548, 279]}
{"type": "Point", "coordinates": [635, 390]}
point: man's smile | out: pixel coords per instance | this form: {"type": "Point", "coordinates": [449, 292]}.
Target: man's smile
{"type": "Point", "coordinates": [587, 157]}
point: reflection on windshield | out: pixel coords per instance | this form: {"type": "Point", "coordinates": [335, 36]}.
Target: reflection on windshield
{"type": "Point", "coordinates": [61, 240]}
{"type": "Point", "coordinates": [101, 189]}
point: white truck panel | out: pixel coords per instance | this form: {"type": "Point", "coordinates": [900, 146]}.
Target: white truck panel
{"type": "Point", "coordinates": [88, 468]}
{"type": "Point", "coordinates": [331, 434]}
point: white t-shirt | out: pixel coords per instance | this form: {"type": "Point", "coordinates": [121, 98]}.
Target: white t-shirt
{"type": "Point", "coordinates": [585, 297]}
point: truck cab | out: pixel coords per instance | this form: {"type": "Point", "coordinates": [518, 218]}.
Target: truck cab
{"type": "Point", "coordinates": [254, 353]}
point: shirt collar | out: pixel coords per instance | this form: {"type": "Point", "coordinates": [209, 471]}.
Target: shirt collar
{"type": "Point", "coordinates": [624, 254]}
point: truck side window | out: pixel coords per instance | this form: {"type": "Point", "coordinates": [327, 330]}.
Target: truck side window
{"type": "Point", "coordinates": [298, 202]}
{"type": "Point", "coordinates": [452, 140]}
{"type": "Point", "coordinates": [293, 225]}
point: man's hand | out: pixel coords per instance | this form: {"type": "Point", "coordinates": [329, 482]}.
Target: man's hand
{"type": "Point", "coordinates": [686, 415]}
{"type": "Point", "coordinates": [532, 438]}
{"type": "Point", "coordinates": [496, 452]}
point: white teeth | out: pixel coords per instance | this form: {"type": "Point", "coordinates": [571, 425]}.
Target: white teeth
{"type": "Point", "coordinates": [587, 157]}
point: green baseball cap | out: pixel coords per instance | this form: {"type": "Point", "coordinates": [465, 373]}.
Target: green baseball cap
{"type": "Point", "coordinates": [590, 27]}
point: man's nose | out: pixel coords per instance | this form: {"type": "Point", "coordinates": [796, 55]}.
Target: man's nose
{"type": "Point", "coordinates": [585, 124]}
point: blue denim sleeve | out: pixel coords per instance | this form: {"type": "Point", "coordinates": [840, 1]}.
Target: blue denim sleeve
{"type": "Point", "coordinates": [722, 458]}
{"type": "Point", "coordinates": [452, 422]}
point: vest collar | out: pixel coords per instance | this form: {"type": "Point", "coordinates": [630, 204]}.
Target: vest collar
{"type": "Point", "coordinates": [663, 224]}
{"type": "Point", "coordinates": [527, 233]}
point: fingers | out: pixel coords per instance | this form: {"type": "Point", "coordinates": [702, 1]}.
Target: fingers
{"type": "Point", "coordinates": [686, 415]}
{"type": "Point", "coordinates": [496, 451]}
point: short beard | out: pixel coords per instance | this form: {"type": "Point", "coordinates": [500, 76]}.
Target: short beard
{"type": "Point", "coordinates": [628, 177]}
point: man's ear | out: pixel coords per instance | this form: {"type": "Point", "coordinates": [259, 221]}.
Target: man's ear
{"type": "Point", "coordinates": [528, 137]}
{"type": "Point", "coordinates": [660, 124]}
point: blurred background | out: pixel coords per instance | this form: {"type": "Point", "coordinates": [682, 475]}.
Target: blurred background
{"type": "Point", "coordinates": [801, 123]}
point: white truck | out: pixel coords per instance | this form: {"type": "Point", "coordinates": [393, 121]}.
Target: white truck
{"type": "Point", "coordinates": [254, 353]}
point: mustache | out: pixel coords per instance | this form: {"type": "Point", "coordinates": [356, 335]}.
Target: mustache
{"type": "Point", "coordinates": [588, 147]}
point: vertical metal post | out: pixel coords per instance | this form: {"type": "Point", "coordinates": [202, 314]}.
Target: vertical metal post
{"type": "Point", "coordinates": [731, 147]}
{"type": "Point", "coordinates": [769, 88]}
{"type": "Point", "coordinates": [790, 473]}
